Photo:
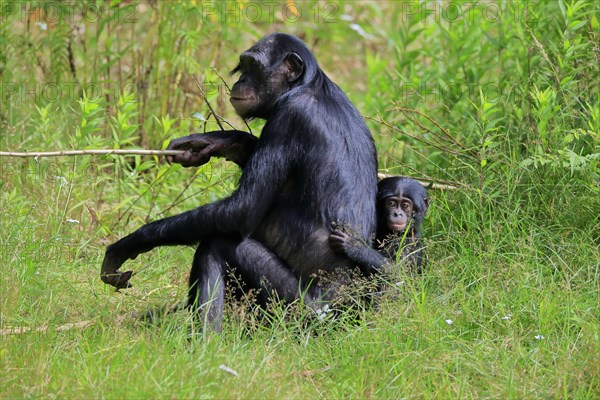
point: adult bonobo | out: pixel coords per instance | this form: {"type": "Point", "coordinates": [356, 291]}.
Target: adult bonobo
{"type": "Point", "coordinates": [313, 165]}
{"type": "Point", "coordinates": [401, 207]}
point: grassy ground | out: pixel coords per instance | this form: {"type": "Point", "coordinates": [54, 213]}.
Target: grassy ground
{"type": "Point", "coordinates": [501, 98]}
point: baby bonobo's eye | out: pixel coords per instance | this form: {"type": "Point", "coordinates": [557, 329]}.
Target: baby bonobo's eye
{"type": "Point", "coordinates": [406, 205]}
{"type": "Point", "coordinates": [391, 203]}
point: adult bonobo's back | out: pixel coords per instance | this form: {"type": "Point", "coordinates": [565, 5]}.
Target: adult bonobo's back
{"type": "Point", "coordinates": [314, 165]}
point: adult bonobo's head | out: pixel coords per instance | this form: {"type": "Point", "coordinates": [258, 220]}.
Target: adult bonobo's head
{"type": "Point", "coordinates": [401, 204]}
{"type": "Point", "coordinates": [270, 69]}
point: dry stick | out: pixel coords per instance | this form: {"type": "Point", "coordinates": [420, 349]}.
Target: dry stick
{"type": "Point", "coordinates": [429, 180]}
{"type": "Point", "coordinates": [427, 184]}
{"type": "Point", "coordinates": [229, 89]}
{"type": "Point", "coordinates": [544, 55]}
{"type": "Point", "coordinates": [132, 152]}
{"type": "Point", "coordinates": [207, 103]}
{"type": "Point", "coordinates": [468, 152]}
{"type": "Point", "coordinates": [444, 130]}
{"type": "Point", "coordinates": [18, 330]}
{"type": "Point", "coordinates": [420, 139]}
{"type": "Point", "coordinates": [158, 153]}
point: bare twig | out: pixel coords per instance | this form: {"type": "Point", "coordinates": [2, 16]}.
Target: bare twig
{"type": "Point", "coordinates": [544, 54]}
{"type": "Point", "coordinates": [207, 103]}
{"type": "Point", "coordinates": [18, 330]}
{"type": "Point", "coordinates": [229, 90]}
{"type": "Point", "coordinates": [132, 152]}
{"type": "Point", "coordinates": [425, 183]}
{"type": "Point", "coordinates": [428, 184]}
{"type": "Point", "coordinates": [420, 139]}
{"type": "Point", "coordinates": [444, 130]}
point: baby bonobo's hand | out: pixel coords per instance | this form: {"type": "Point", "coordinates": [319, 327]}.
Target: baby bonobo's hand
{"type": "Point", "coordinates": [338, 240]}
{"type": "Point", "coordinates": [346, 243]}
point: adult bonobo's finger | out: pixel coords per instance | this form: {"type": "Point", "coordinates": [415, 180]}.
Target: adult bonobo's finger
{"type": "Point", "coordinates": [119, 280]}
{"type": "Point", "coordinates": [110, 273]}
{"type": "Point", "coordinates": [191, 159]}
{"type": "Point", "coordinates": [198, 149]}
{"type": "Point", "coordinates": [194, 142]}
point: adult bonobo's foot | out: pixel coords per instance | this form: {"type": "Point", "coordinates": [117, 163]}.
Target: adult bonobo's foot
{"type": "Point", "coordinates": [110, 273]}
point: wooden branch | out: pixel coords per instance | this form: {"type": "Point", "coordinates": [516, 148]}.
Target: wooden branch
{"type": "Point", "coordinates": [427, 184]}
{"type": "Point", "coordinates": [18, 330]}
{"type": "Point", "coordinates": [122, 152]}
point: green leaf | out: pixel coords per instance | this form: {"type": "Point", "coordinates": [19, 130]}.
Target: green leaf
{"type": "Point", "coordinates": [563, 10]}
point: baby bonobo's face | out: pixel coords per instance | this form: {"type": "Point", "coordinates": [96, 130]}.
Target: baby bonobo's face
{"type": "Point", "coordinates": [399, 211]}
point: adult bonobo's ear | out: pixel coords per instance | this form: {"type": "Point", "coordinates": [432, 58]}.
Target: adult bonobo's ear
{"type": "Point", "coordinates": [294, 67]}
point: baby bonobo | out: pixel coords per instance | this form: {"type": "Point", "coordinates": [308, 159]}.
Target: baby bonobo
{"type": "Point", "coordinates": [401, 206]}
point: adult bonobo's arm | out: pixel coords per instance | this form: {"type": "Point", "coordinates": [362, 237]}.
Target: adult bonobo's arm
{"type": "Point", "coordinates": [368, 259]}
{"type": "Point", "coordinates": [263, 177]}
{"type": "Point", "coordinates": [236, 146]}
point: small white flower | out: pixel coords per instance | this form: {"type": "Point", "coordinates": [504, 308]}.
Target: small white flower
{"type": "Point", "coordinates": [43, 26]}
{"type": "Point", "coordinates": [507, 317]}
{"type": "Point", "coordinates": [322, 312]}
{"type": "Point", "coordinates": [225, 368]}
{"type": "Point", "coordinates": [540, 337]}
{"type": "Point", "coordinates": [72, 221]}
{"type": "Point", "coordinates": [400, 283]}
{"type": "Point", "coordinates": [62, 181]}
{"type": "Point", "coordinates": [449, 321]}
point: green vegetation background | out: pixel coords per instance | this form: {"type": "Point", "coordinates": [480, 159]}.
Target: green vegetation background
{"type": "Point", "coordinates": [498, 98]}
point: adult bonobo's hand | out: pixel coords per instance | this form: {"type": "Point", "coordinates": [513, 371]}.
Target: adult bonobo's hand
{"type": "Point", "coordinates": [236, 146]}
{"type": "Point", "coordinates": [110, 273]}
{"type": "Point", "coordinates": [198, 149]}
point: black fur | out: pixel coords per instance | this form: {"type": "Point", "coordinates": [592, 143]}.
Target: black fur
{"type": "Point", "coordinates": [300, 178]}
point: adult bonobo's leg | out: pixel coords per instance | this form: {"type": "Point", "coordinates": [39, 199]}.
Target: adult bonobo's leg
{"type": "Point", "coordinates": [258, 267]}
{"type": "Point", "coordinates": [207, 281]}
{"type": "Point", "coordinates": [262, 269]}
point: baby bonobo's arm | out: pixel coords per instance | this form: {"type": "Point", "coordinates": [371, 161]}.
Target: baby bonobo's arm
{"type": "Point", "coordinates": [366, 257]}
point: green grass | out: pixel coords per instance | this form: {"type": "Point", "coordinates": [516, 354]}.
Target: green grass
{"type": "Point", "coordinates": [508, 305]}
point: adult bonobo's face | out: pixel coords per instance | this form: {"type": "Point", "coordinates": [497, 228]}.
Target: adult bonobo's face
{"type": "Point", "coordinates": [267, 72]}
